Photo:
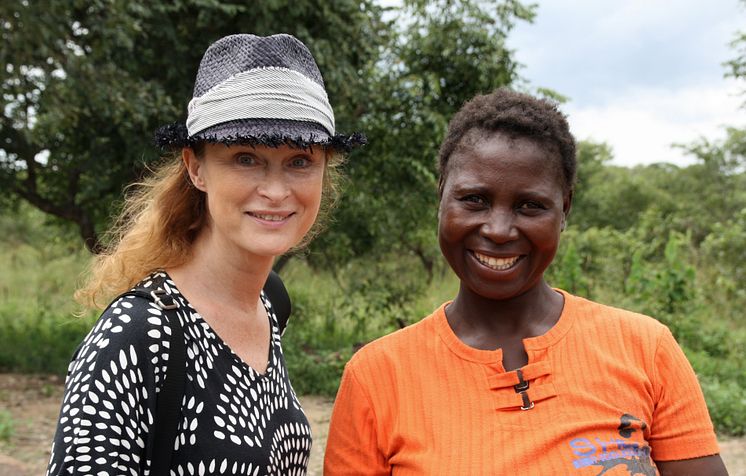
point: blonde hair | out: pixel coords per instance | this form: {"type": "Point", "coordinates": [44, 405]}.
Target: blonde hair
{"type": "Point", "coordinates": [158, 223]}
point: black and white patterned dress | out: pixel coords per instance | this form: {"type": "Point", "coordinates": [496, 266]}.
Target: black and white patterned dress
{"type": "Point", "coordinates": [233, 420]}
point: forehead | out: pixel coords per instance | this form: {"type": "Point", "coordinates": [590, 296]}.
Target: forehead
{"type": "Point", "coordinates": [259, 149]}
{"type": "Point", "coordinates": [486, 154]}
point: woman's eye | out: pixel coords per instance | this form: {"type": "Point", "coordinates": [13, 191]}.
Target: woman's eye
{"type": "Point", "coordinates": [531, 206]}
{"type": "Point", "coordinates": [300, 162]}
{"type": "Point", "coordinates": [475, 199]}
{"type": "Point", "coordinates": [246, 159]}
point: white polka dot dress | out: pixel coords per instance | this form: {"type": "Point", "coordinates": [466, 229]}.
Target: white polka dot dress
{"type": "Point", "coordinates": [234, 421]}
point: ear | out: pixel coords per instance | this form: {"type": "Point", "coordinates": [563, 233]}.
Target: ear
{"type": "Point", "coordinates": [194, 168]}
{"type": "Point", "coordinates": [566, 206]}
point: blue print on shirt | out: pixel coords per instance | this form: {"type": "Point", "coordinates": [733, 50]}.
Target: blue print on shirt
{"type": "Point", "coordinates": [615, 452]}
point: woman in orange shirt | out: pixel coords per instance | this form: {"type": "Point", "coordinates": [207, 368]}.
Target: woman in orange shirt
{"type": "Point", "coordinates": [513, 376]}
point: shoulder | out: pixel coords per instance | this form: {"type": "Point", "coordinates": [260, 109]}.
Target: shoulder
{"type": "Point", "coordinates": [596, 311]}
{"type": "Point", "coordinates": [609, 323]}
{"type": "Point", "coordinates": [130, 330]}
{"type": "Point", "coordinates": [132, 318]}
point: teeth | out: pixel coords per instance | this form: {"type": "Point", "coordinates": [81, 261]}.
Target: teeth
{"type": "Point", "coordinates": [269, 217]}
{"type": "Point", "coordinates": [496, 263]}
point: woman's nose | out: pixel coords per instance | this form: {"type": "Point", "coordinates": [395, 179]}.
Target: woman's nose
{"type": "Point", "coordinates": [275, 186]}
{"type": "Point", "coordinates": [499, 226]}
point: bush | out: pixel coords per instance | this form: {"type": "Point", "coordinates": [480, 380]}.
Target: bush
{"type": "Point", "coordinates": [40, 343]}
{"type": "Point", "coordinates": [39, 331]}
{"type": "Point", "coordinates": [7, 426]}
{"type": "Point", "coordinates": [315, 372]}
{"type": "Point", "coordinates": [722, 379]}
{"type": "Point", "coordinates": [335, 315]}
{"type": "Point", "coordinates": [727, 404]}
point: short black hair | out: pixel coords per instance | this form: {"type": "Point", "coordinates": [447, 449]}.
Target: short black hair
{"type": "Point", "coordinates": [518, 115]}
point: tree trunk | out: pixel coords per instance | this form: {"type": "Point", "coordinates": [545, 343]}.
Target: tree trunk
{"type": "Point", "coordinates": [89, 235]}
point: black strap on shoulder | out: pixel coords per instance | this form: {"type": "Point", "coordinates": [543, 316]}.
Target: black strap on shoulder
{"type": "Point", "coordinates": [278, 295]}
{"type": "Point", "coordinates": [168, 402]}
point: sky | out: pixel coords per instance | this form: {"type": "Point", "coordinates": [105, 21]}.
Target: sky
{"type": "Point", "coordinates": [640, 75]}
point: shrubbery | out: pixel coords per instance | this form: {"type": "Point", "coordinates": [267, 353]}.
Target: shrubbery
{"type": "Point", "coordinates": [7, 426]}
{"type": "Point", "coordinates": [694, 289]}
{"type": "Point", "coordinates": [632, 273]}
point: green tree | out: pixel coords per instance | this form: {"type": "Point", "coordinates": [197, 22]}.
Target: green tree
{"type": "Point", "coordinates": [736, 67]}
{"type": "Point", "coordinates": [712, 190]}
{"type": "Point", "coordinates": [441, 54]}
{"type": "Point", "coordinates": [722, 267]}
{"type": "Point", "coordinates": [85, 84]}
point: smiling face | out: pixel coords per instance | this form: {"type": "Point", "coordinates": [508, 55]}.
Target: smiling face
{"type": "Point", "coordinates": [502, 208]}
{"type": "Point", "coordinates": [260, 200]}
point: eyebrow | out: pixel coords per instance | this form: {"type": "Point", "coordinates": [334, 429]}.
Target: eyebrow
{"type": "Point", "coordinates": [470, 188]}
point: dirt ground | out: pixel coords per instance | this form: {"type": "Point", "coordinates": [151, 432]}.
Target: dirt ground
{"type": "Point", "coordinates": [33, 403]}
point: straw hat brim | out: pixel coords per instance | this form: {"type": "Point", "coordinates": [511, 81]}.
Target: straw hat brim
{"type": "Point", "coordinates": [267, 132]}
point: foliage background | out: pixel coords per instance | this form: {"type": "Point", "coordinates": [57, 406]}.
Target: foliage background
{"type": "Point", "coordinates": [85, 84]}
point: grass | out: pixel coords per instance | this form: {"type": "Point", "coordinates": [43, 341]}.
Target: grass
{"type": "Point", "coordinates": [37, 311]}
{"type": "Point", "coordinates": [332, 316]}
{"type": "Point", "coordinates": [7, 426]}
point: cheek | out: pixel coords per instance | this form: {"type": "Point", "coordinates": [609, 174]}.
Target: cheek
{"type": "Point", "coordinates": [218, 209]}
{"type": "Point", "coordinates": [224, 197]}
{"type": "Point", "coordinates": [449, 232]}
{"type": "Point", "coordinates": [309, 193]}
{"type": "Point", "coordinates": [547, 236]}
{"type": "Point", "coordinates": [451, 247]}
{"type": "Point", "coordinates": [452, 222]}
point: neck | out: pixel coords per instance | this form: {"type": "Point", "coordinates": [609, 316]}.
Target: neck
{"type": "Point", "coordinates": [529, 314]}
{"type": "Point", "coordinates": [220, 270]}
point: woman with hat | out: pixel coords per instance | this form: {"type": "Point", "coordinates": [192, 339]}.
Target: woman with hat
{"type": "Point", "coordinates": [252, 169]}
{"type": "Point", "coordinates": [514, 376]}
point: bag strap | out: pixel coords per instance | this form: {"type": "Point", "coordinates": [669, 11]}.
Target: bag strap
{"type": "Point", "coordinates": [168, 402]}
{"type": "Point", "coordinates": [278, 295]}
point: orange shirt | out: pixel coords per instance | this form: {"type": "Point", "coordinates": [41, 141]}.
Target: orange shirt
{"type": "Point", "coordinates": [611, 391]}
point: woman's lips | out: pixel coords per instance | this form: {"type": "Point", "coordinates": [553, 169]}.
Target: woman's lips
{"type": "Point", "coordinates": [271, 219]}
{"type": "Point", "coordinates": [498, 264]}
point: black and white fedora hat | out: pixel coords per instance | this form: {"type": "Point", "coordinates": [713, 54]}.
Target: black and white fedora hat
{"type": "Point", "coordinates": [259, 91]}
